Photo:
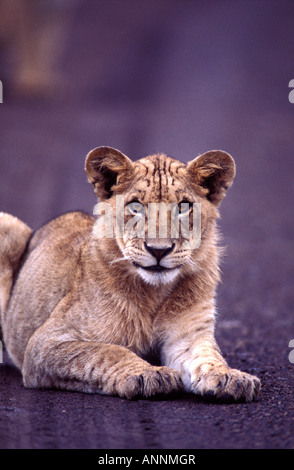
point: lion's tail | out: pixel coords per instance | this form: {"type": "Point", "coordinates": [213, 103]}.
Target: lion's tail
{"type": "Point", "coordinates": [14, 237]}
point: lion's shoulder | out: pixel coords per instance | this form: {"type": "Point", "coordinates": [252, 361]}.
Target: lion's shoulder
{"type": "Point", "coordinates": [64, 230]}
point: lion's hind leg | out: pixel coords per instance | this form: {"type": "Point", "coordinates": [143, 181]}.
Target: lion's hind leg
{"type": "Point", "coordinates": [14, 237]}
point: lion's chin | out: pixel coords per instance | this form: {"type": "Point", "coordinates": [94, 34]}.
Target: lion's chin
{"type": "Point", "coordinates": [155, 278]}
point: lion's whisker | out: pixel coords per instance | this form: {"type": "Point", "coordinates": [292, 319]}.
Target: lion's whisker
{"type": "Point", "coordinates": [124, 258]}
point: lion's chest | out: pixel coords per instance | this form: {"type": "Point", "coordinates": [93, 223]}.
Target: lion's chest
{"type": "Point", "coordinates": [118, 320]}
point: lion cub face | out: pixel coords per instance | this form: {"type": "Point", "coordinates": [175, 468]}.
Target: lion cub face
{"type": "Point", "coordinates": [156, 213]}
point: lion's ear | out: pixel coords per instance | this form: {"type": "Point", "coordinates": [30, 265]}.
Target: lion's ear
{"type": "Point", "coordinates": [106, 167]}
{"type": "Point", "coordinates": [214, 171]}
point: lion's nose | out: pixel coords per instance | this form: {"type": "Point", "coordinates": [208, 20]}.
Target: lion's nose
{"type": "Point", "coordinates": [159, 253]}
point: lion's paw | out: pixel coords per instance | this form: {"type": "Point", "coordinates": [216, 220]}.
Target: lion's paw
{"type": "Point", "coordinates": [230, 384]}
{"type": "Point", "coordinates": [152, 381]}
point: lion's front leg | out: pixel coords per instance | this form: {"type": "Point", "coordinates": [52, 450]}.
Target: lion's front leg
{"type": "Point", "coordinates": [54, 360]}
{"type": "Point", "coordinates": [211, 375]}
{"type": "Point", "coordinates": [191, 349]}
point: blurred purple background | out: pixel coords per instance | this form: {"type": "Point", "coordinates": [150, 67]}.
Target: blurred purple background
{"type": "Point", "coordinates": [180, 77]}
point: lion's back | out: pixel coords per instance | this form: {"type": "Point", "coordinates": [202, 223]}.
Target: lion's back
{"type": "Point", "coordinates": [45, 277]}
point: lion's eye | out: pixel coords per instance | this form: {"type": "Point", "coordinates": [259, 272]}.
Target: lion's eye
{"type": "Point", "coordinates": [135, 208]}
{"type": "Point", "coordinates": [185, 207]}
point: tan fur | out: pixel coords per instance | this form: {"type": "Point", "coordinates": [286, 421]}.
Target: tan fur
{"type": "Point", "coordinates": [14, 235]}
{"type": "Point", "coordinates": [84, 313]}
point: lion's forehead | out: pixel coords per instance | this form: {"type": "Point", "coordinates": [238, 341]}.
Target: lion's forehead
{"type": "Point", "coordinates": [159, 177]}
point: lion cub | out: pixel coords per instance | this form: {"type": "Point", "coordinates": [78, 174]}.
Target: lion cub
{"type": "Point", "coordinates": [84, 300]}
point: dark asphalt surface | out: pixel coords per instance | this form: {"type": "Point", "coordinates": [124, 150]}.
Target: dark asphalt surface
{"type": "Point", "coordinates": [180, 77]}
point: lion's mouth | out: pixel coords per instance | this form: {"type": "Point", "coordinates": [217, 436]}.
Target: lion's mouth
{"type": "Point", "coordinates": [156, 268]}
